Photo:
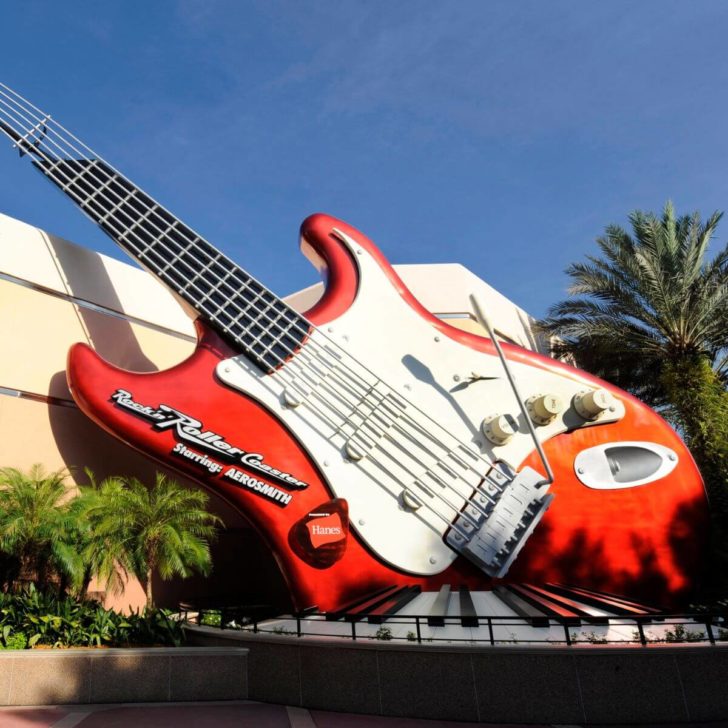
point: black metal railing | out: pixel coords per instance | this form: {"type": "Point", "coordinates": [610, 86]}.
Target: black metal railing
{"type": "Point", "coordinates": [696, 627]}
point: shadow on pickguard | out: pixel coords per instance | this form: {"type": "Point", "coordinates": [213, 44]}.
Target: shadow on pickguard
{"type": "Point", "coordinates": [422, 372]}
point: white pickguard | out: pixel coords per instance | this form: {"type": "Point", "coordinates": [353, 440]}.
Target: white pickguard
{"type": "Point", "coordinates": [404, 355]}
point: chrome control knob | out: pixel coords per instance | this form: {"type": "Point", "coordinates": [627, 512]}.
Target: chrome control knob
{"type": "Point", "coordinates": [543, 408]}
{"type": "Point", "coordinates": [499, 428]}
{"type": "Point", "coordinates": [592, 402]}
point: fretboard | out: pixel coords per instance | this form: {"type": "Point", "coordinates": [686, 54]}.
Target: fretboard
{"type": "Point", "coordinates": [235, 304]}
{"type": "Point", "coordinates": [242, 310]}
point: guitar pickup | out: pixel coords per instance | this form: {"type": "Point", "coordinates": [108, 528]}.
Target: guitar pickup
{"type": "Point", "coordinates": [498, 519]}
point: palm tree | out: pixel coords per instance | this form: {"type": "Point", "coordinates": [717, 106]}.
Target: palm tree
{"type": "Point", "coordinates": [37, 525]}
{"type": "Point", "coordinates": [103, 550]}
{"type": "Point", "coordinates": [651, 315]}
{"type": "Point", "coordinates": [164, 529]}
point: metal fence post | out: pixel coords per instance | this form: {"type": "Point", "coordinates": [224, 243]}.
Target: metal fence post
{"type": "Point", "coordinates": [353, 629]}
{"type": "Point", "coordinates": [419, 634]}
{"type": "Point", "coordinates": [709, 629]}
{"type": "Point", "coordinates": [490, 630]}
{"type": "Point", "coordinates": [568, 636]}
{"type": "Point", "coordinates": [641, 631]}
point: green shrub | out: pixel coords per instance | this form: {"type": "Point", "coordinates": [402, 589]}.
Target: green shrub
{"type": "Point", "coordinates": [679, 634]}
{"type": "Point", "coordinates": [211, 619]}
{"type": "Point", "coordinates": [47, 619]}
{"type": "Point", "coordinates": [13, 641]}
{"type": "Point", "coordinates": [591, 637]}
{"type": "Point", "coordinates": [682, 634]}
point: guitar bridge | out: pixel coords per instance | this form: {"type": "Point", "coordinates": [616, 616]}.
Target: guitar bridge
{"type": "Point", "coordinates": [498, 519]}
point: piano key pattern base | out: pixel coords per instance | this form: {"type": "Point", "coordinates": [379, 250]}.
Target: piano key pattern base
{"type": "Point", "coordinates": [551, 614]}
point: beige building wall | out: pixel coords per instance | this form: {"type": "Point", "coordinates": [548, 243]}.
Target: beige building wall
{"type": "Point", "coordinates": [54, 293]}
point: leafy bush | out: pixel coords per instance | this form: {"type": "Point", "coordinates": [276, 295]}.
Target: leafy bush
{"type": "Point", "coordinates": [211, 619]}
{"type": "Point", "coordinates": [591, 637]}
{"type": "Point", "coordinates": [13, 641]}
{"type": "Point", "coordinates": [151, 627]}
{"type": "Point", "coordinates": [682, 634]}
{"type": "Point", "coordinates": [679, 634]}
{"type": "Point", "coordinates": [383, 633]}
{"type": "Point", "coordinates": [46, 619]}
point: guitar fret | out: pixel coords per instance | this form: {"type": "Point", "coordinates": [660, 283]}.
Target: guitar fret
{"type": "Point", "coordinates": [248, 331]}
{"type": "Point", "coordinates": [200, 274]}
{"type": "Point", "coordinates": [225, 328]}
{"type": "Point", "coordinates": [207, 296]}
{"type": "Point", "coordinates": [139, 222]}
{"type": "Point", "coordinates": [267, 348]}
{"type": "Point", "coordinates": [207, 267]}
{"type": "Point", "coordinates": [283, 331]}
{"type": "Point", "coordinates": [176, 258]}
{"type": "Point", "coordinates": [116, 207]}
{"type": "Point", "coordinates": [257, 299]}
{"type": "Point", "coordinates": [50, 169]}
{"type": "Point", "coordinates": [95, 194]}
{"type": "Point", "coordinates": [160, 267]}
{"type": "Point", "coordinates": [77, 175]}
{"type": "Point", "coordinates": [213, 314]}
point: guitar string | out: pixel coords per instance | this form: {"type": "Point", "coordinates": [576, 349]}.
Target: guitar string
{"type": "Point", "coordinates": [141, 253]}
{"type": "Point", "coordinates": [428, 472]}
{"type": "Point", "coordinates": [182, 252]}
{"type": "Point", "coordinates": [417, 477]}
{"type": "Point", "coordinates": [202, 242]}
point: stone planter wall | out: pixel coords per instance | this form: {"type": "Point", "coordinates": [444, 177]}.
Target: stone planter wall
{"type": "Point", "coordinates": [54, 677]}
{"type": "Point", "coordinates": [589, 684]}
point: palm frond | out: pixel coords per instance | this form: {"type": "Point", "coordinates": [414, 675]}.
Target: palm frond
{"type": "Point", "coordinates": [650, 296]}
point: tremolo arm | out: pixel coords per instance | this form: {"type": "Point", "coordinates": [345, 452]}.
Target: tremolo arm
{"type": "Point", "coordinates": [505, 508]}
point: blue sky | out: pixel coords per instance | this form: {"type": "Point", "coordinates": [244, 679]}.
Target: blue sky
{"type": "Point", "coordinates": [500, 135]}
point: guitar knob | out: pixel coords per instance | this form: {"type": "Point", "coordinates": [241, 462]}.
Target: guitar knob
{"type": "Point", "coordinates": [591, 403]}
{"type": "Point", "coordinates": [499, 428]}
{"type": "Point", "coordinates": [543, 408]}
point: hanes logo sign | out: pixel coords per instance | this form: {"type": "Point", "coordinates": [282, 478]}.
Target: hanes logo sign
{"type": "Point", "coordinates": [320, 537]}
{"type": "Point", "coordinates": [324, 528]}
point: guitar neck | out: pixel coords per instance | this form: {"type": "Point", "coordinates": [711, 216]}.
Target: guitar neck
{"type": "Point", "coordinates": [240, 308]}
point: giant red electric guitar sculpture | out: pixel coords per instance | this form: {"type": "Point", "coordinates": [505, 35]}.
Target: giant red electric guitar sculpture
{"type": "Point", "coordinates": [368, 442]}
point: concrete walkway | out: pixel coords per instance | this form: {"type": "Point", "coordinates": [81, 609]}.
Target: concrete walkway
{"type": "Point", "coordinates": [228, 715]}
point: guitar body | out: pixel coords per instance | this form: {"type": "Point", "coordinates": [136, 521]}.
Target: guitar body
{"type": "Point", "coordinates": [335, 531]}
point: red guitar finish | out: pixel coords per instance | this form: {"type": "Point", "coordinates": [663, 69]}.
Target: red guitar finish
{"type": "Point", "coordinates": [644, 541]}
